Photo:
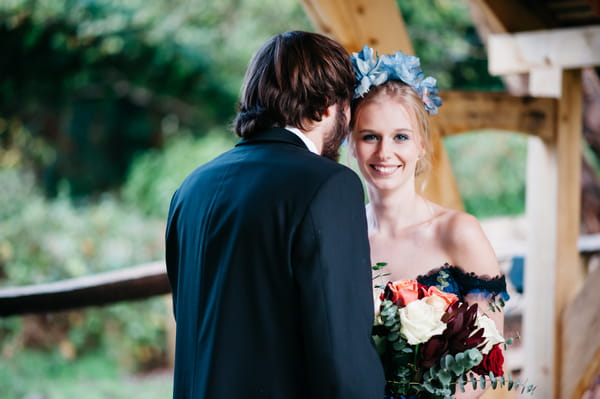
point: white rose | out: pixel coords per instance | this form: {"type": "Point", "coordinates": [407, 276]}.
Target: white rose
{"type": "Point", "coordinates": [437, 302]}
{"type": "Point", "coordinates": [420, 321]}
{"type": "Point", "coordinates": [490, 333]}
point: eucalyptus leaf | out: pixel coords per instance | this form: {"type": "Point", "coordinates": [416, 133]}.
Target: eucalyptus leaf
{"type": "Point", "coordinates": [461, 383]}
{"type": "Point", "coordinates": [444, 377]}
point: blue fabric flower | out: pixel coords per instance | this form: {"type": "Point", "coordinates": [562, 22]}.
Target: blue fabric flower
{"type": "Point", "coordinates": [372, 70]}
{"type": "Point", "coordinates": [369, 71]}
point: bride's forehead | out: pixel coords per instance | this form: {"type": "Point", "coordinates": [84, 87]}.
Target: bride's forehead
{"type": "Point", "coordinates": [385, 113]}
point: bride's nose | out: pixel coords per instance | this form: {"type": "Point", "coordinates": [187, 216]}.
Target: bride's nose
{"type": "Point", "coordinates": [384, 150]}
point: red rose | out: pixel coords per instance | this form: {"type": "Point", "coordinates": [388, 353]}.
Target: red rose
{"type": "Point", "coordinates": [493, 361]}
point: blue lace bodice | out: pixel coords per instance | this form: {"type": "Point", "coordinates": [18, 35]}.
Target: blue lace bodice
{"type": "Point", "coordinates": [463, 283]}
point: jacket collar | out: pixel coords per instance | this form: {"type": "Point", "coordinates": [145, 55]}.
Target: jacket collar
{"type": "Point", "coordinates": [275, 134]}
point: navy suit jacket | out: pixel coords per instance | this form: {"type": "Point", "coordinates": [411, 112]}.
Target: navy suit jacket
{"type": "Point", "coordinates": [268, 259]}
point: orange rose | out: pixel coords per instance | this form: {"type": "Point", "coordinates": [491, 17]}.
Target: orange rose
{"type": "Point", "coordinates": [401, 292]}
{"type": "Point", "coordinates": [448, 297]}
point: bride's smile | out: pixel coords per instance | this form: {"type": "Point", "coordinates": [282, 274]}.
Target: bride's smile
{"type": "Point", "coordinates": [385, 170]}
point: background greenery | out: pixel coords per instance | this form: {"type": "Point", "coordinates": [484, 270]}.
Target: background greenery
{"type": "Point", "coordinates": [105, 106]}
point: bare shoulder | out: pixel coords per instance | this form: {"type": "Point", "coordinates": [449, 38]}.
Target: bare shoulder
{"type": "Point", "coordinates": [466, 244]}
{"type": "Point", "coordinates": [463, 227]}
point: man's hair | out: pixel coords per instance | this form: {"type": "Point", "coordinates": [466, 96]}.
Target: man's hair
{"type": "Point", "coordinates": [292, 80]}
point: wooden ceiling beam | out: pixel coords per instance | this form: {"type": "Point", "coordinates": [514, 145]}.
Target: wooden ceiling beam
{"type": "Point", "coordinates": [355, 23]}
{"type": "Point", "coordinates": [512, 15]}
{"type": "Point", "coordinates": [465, 111]}
{"type": "Point", "coordinates": [562, 49]}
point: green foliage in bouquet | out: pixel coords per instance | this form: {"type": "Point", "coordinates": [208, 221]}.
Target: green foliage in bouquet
{"type": "Point", "coordinates": [402, 375]}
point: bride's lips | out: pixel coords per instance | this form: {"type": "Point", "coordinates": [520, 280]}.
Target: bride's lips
{"type": "Point", "coordinates": [384, 170]}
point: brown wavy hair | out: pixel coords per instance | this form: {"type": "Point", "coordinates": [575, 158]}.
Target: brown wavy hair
{"type": "Point", "coordinates": [292, 80]}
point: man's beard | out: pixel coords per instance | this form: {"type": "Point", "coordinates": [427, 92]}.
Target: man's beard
{"type": "Point", "coordinates": [336, 136]}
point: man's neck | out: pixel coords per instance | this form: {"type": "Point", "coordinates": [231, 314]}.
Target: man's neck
{"type": "Point", "coordinates": [310, 144]}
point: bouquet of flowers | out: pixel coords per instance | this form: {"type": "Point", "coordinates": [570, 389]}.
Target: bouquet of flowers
{"type": "Point", "coordinates": [431, 344]}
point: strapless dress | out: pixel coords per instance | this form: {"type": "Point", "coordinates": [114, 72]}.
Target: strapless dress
{"type": "Point", "coordinates": [457, 281]}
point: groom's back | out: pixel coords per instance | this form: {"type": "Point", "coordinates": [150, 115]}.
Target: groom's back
{"type": "Point", "coordinates": [231, 242]}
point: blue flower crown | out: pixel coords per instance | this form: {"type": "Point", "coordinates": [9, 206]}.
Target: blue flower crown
{"type": "Point", "coordinates": [375, 70]}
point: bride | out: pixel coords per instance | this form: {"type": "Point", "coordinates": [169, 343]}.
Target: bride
{"type": "Point", "coordinates": [417, 238]}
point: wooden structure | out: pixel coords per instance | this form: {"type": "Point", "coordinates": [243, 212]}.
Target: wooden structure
{"type": "Point", "coordinates": [129, 284]}
{"type": "Point", "coordinates": [547, 42]}
{"type": "Point", "coordinates": [542, 42]}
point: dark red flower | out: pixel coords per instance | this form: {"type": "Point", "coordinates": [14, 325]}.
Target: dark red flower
{"type": "Point", "coordinates": [461, 334]}
{"type": "Point", "coordinates": [493, 361]}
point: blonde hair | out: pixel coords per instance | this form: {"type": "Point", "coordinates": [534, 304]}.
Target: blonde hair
{"type": "Point", "coordinates": [405, 95]}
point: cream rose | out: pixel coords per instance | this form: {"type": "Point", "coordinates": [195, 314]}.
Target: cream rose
{"type": "Point", "coordinates": [490, 333]}
{"type": "Point", "coordinates": [420, 321]}
{"type": "Point", "coordinates": [439, 303]}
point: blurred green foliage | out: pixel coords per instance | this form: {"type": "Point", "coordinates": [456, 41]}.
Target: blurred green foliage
{"type": "Point", "coordinates": [102, 80]}
{"type": "Point", "coordinates": [51, 376]}
{"type": "Point", "coordinates": [46, 240]}
{"type": "Point", "coordinates": [155, 175]}
{"type": "Point", "coordinates": [490, 169]}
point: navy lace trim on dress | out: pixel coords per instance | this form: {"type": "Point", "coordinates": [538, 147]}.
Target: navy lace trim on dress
{"type": "Point", "coordinates": [463, 283]}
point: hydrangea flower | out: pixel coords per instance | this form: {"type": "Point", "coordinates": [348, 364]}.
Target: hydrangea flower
{"type": "Point", "coordinates": [369, 71]}
{"type": "Point", "coordinates": [372, 70]}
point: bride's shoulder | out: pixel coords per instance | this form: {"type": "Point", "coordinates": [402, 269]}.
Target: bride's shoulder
{"type": "Point", "coordinates": [466, 243]}
{"type": "Point", "coordinates": [460, 225]}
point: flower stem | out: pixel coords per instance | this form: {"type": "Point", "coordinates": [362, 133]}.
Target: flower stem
{"type": "Point", "coordinates": [417, 368]}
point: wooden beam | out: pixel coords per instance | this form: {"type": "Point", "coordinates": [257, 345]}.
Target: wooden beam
{"type": "Point", "coordinates": [546, 82]}
{"type": "Point", "coordinates": [581, 341]}
{"type": "Point", "coordinates": [465, 111]}
{"type": "Point", "coordinates": [552, 273]}
{"type": "Point", "coordinates": [513, 15]}
{"type": "Point", "coordinates": [129, 284]}
{"type": "Point", "coordinates": [558, 48]}
{"type": "Point", "coordinates": [355, 23]}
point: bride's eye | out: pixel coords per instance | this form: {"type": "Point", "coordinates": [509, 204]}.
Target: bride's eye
{"type": "Point", "coordinates": [402, 137]}
{"type": "Point", "coordinates": [369, 137]}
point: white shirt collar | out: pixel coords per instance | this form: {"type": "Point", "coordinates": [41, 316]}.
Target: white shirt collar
{"type": "Point", "coordinates": [308, 142]}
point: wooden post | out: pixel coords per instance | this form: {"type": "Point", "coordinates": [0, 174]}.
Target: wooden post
{"type": "Point", "coordinates": [552, 273]}
{"type": "Point", "coordinates": [569, 272]}
{"type": "Point", "coordinates": [581, 343]}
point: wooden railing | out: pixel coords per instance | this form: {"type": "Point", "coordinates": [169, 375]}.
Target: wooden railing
{"type": "Point", "coordinates": [134, 283]}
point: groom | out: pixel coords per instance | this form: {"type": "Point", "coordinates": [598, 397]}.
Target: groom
{"type": "Point", "coordinates": [267, 250]}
